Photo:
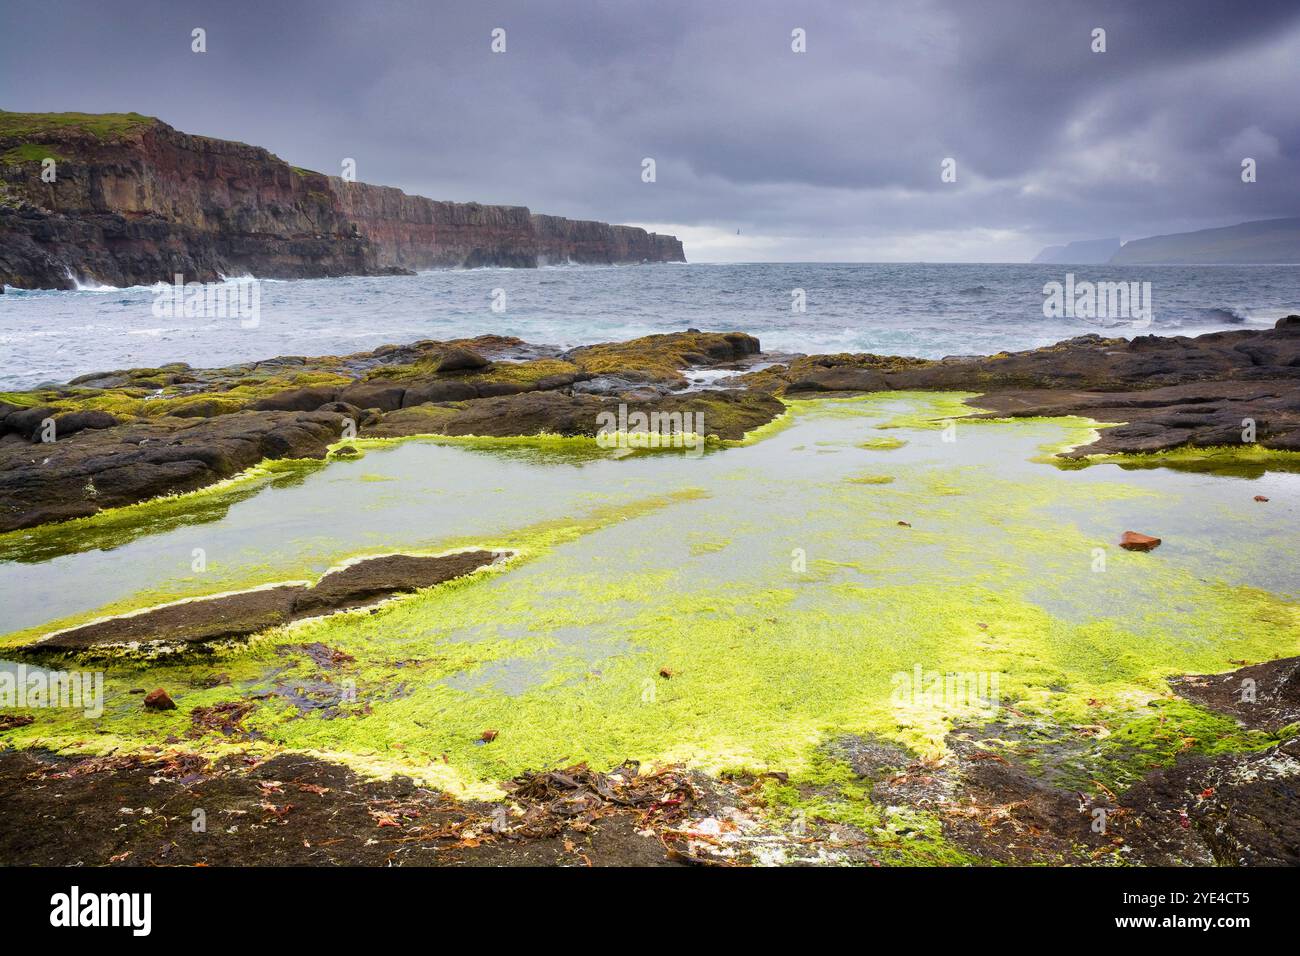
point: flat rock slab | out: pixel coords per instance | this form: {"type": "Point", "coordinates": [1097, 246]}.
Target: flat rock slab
{"type": "Point", "coordinates": [98, 468]}
{"type": "Point", "coordinates": [190, 622]}
{"type": "Point", "coordinates": [1168, 392]}
{"type": "Point", "coordinates": [726, 413]}
{"type": "Point", "coordinates": [375, 578]}
{"type": "Point", "coordinates": [231, 616]}
{"type": "Point", "coordinates": [1158, 419]}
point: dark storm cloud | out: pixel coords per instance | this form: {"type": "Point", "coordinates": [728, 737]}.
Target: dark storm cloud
{"type": "Point", "coordinates": [833, 153]}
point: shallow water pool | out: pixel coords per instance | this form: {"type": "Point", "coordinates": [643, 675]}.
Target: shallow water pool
{"type": "Point", "coordinates": [772, 583]}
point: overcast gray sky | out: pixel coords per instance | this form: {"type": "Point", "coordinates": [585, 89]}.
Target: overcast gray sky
{"type": "Point", "coordinates": [832, 154]}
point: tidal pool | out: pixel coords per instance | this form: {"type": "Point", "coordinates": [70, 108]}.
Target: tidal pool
{"type": "Point", "coordinates": [781, 586]}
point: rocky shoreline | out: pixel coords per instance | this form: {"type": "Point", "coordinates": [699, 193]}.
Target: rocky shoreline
{"type": "Point", "coordinates": [125, 437]}
{"type": "Point", "coordinates": [118, 438]}
{"type": "Point", "coordinates": [1168, 392]}
{"type": "Point", "coordinates": [1005, 792]}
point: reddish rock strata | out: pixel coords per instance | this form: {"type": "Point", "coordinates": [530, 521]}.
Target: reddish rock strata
{"type": "Point", "coordinates": [134, 201]}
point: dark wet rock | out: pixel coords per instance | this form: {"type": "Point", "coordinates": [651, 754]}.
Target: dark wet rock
{"type": "Point", "coordinates": [531, 414]}
{"type": "Point", "coordinates": [114, 379]}
{"type": "Point", "coordinates": [66, 811]}
{"type": "Point", "coordinates": [1202, 413]}
{"type": "Point", "coordinates": [1260, 696]}
{"type": "Point", "coordinates": [378, 395]}
{"type": "Point", "coordinates": [208, 427]}
{"type": "Point", "coordinates": [727, 414]}
{"type": "Point", "coordinates": [28, 422]}
{"type": "Point", "coordinates": [1235, 809]}
{"type": "Point", "coordinates": [298, 399]}
{"type": "Point", "coordinates": [461, 360]}
{"type": "Point", "coordinates": [226, 617]}
{"type": "Point", "coordinates": [445, 390]}
{"type": "Point", "coordinates": [73, 422]}
{"type": "Point", "coordinates": [549, 383]}
{"type": "Point", "coordinates": [108, 467]}
{"type": "Point", "coordinates": [344, 409]}
{"type": "Point", "coordinates": [1150, 384]}
{"type": "Point", "coordinates": [366, 581]}
{"type": "Point", "coordinates": [616, 385]}
{"type": "Point", "coordinates": [661, 358]}
{"type": "Point", "coordinates": [999, 810]}
{"type": "Point", "coordinates": [493, 389]}
{"type": "Point", "coordinates": [159, 700]}
{"type": "Point", "coordinates": [988, 804]}
{"type": "Point", "coordinates": [840, 380]}
{"type": "Point", "coordinates": [198, 621]}
{"type": "Point", "coordinates": [202, 408]}
{"type": "Point", "coordinates": [1231, 810]}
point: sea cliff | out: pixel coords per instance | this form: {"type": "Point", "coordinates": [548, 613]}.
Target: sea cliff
{"type": "Point", "coordinates": [125, 199]}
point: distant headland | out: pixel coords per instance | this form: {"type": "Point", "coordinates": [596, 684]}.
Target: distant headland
{"type": "Point", "coordinates": [1261, 242]}
{"type": "Point", "coordinates": [125, 199]}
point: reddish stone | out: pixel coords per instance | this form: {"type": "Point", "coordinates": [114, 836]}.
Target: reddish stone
{"type": "Point", "coordinates": [1133, 541]}
{"type": "Point", "coordinates": [1260, 498]}
{"type": "Point", "coordinates": [158, 700]}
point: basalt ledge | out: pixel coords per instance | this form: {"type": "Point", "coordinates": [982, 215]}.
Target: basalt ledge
{"type": "Point", "coordinates": [123, 199]}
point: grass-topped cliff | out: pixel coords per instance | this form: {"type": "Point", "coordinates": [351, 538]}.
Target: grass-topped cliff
{"type": "Point", "coordinates": [101, 125]}
{"type": "Point", "coordinates": [131, 200]}
{"type": "Point", "coordinates": [31, 137]}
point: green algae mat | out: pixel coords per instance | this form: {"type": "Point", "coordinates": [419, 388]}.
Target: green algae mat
{"type": "Point", "coordinates": [736, 610]}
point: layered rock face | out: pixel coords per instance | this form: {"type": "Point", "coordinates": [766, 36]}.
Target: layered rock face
{"type": "Point", "coordinates": [597, 243]}
{"type": "Point", "coordinates": [133, 201]}
{"type": "Point", "coordinates": [412, 232]}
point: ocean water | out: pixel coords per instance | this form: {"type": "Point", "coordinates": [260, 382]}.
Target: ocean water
{"type": "Point", "coordinates": [926, 310]}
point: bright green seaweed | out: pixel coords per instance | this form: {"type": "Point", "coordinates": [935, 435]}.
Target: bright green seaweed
{"type": "Point", "coordinates": [783, 596]}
